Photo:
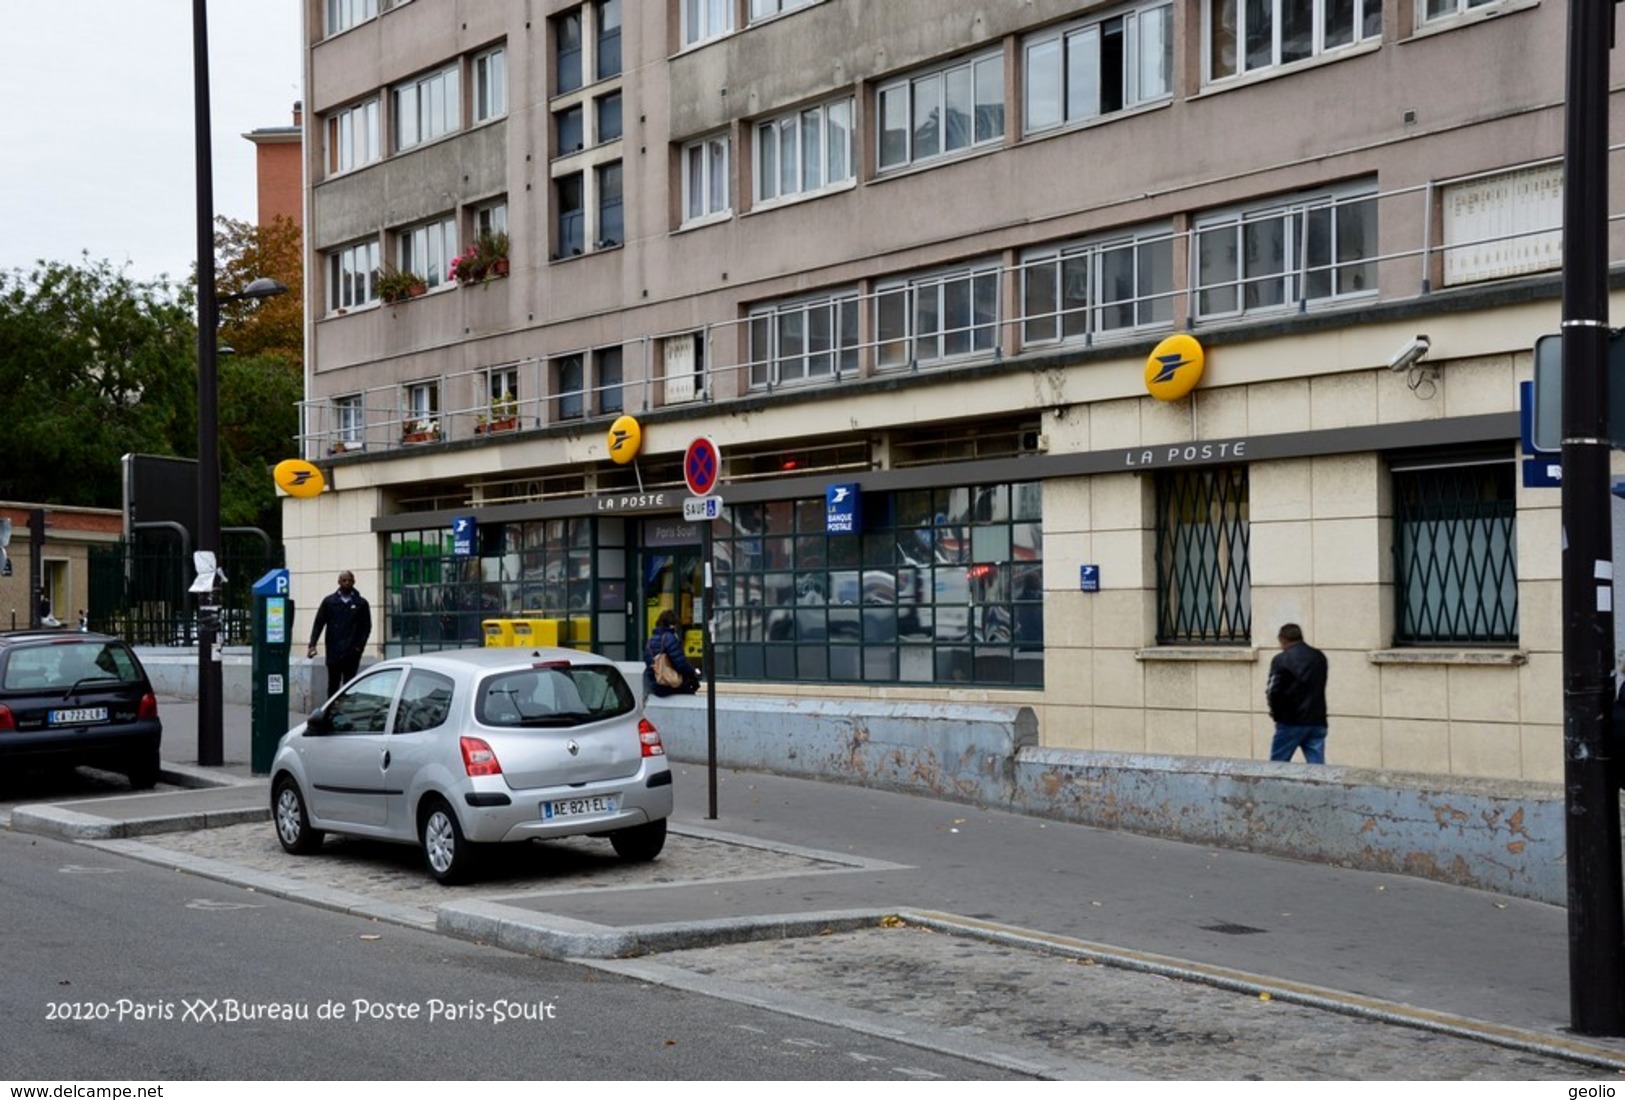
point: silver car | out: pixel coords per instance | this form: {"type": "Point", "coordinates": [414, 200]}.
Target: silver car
{"type": "Point", "coordinates": [465, 748]}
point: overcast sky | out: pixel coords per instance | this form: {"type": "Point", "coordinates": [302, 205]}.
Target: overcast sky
{"type": "Point", "coordinates": [96, 149]}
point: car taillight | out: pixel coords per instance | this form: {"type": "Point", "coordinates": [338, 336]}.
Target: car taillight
{"type": "Point", "coordinates": [8, 721]}
{"type": "Point", "coordinates": [478, 759]}
{"type": "Point", "coordinates": [149, 706]}
{"type": "Point", "coordinates": [649, 738]}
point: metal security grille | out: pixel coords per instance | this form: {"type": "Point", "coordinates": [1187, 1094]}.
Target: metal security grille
{"type": "Point", "coordinates": [1455, 554]}
{"type": "Point", "coordinates": [1203, 589]}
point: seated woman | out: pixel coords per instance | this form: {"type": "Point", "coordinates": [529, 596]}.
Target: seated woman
{"type": "Point", "coordinates": [664, 640]}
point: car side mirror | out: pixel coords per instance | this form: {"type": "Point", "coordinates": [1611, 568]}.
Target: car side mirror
{"type": "Point", "coordinates": [318, 723]}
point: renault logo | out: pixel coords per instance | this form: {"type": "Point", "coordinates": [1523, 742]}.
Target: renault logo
{"type": "Point", "coordinates": [575, 749]}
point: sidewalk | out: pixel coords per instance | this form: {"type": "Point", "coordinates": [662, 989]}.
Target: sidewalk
{"type": "Point", "coordinates": [1365, 942]}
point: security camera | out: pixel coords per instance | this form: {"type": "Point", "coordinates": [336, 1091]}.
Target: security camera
{"type": "Point", "coordinates": [1409, 354]}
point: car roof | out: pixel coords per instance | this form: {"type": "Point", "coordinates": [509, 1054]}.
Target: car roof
{"type": "Point", "coordinates": [53, 634]}
{"type": "Point", "coordinates": [495, 657]}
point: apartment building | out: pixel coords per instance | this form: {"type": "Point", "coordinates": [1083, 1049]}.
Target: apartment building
{"type": "Point", "coordinates": [925, 257]}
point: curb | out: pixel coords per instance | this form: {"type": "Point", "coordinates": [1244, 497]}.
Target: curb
{"type": "Point", "coordinates": [55, 820]}
{"type": "Point", "coordinates": [1525, 1040]}
{"type": "Point", "coordinates": [523, 930]}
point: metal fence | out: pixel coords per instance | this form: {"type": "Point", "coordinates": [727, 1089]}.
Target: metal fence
{"type": "Point", "coordinates": [139, 589]}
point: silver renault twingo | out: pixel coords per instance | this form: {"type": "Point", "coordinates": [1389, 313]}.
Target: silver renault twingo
{"type": "Point", "coordinates": [462, 749]}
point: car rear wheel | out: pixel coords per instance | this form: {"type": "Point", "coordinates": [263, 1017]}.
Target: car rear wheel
{"type": "Point", "coordinates": [292, 822]}
{"type": "Point", "coordinates": [142, 770]}
{"type": "Point", "coordinates": [448, 855]}
{"type": "Point", "coordinates": [640, 843]}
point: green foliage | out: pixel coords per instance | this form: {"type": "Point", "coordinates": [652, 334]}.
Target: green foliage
{"type": "Point", "coordinates": [94, 365]}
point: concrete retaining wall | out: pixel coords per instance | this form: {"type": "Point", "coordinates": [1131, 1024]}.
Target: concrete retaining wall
{"type": "Point", "coordinates": [173, 672]}
{"type": "Point", "coordinates": [1505, 836]}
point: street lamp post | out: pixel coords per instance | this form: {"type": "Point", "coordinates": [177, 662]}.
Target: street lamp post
{"type": "Point", "coordinates": [210, 720]}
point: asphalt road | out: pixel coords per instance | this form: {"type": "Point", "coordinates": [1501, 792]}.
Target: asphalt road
{"type": "Point", "coordinates": [93, 937]}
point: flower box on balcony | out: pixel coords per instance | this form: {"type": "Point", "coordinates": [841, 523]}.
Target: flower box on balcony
{"type": "Point", "coordinates": [500, 424]}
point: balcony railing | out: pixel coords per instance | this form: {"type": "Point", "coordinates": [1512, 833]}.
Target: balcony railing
{"type": "Point", "coordinates": [1094, 291]}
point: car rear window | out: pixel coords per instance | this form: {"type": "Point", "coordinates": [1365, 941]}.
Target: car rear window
{"type": "Point", "coordinates": [554, 695]}
{"type": "Point", "coordinates": [61, 665]}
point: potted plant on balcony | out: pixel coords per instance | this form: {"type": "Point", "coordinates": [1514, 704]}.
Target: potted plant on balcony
{"type": "Point", "coordinates": [468, 266]}
{"type": "Point", "coordinates": [493, 252]}
{"type": "Point", "coordinates": [395, 285]}
{"type": "Point", "coordinates": [424, 429]}
{"type": "Point", "coordinates": [504, 415]}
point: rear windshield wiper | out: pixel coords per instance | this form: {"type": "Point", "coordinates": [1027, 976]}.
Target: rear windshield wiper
{"type": "Point", "coordinates": [83, 680]}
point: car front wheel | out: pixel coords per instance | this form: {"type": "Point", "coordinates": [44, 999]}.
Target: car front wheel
{"type": "Point", "coordinates": [640, 843]}
{"type": "Point", "coordinates": [448, 855]}
{"type": "Point", "coordinates": [292, 822]}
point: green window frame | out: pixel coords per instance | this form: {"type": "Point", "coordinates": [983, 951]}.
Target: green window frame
{"type": "Point", "coordinates": [1204, 586]}
{"type": "Point", "coordinates": [1455, 551]}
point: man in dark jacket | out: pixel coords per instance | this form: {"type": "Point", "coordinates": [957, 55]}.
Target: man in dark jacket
{"type": "Point", "coordinates": [1296, 692]}
{"type": "Point", "coordinates": [664, 640]}
{"type": "Point", "coordinates": [348, 621]}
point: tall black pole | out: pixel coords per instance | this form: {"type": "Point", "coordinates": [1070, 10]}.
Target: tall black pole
{"type": "Point", "coordinates": [210, 721]}
{"type": "Point", "coordinates": [1596, 931]}
{"type": "Point", "coordinates": [708, 663]}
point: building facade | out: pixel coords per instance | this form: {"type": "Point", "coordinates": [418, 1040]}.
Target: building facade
{"type": "Point", "coordinates": [920, 256]}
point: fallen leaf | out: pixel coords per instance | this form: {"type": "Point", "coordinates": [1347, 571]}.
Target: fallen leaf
{"type": "Point", "coordinates": [891, 921]}
{"type": "Point", "coordinates": [671, 1042]}
{"type": "Point", "coordinates": [959, 821]}
{"type": "Point", "coordinates": [1096, 904]}
{"type": "Point", "coordinates": [371, 936]}
{"type": "Point", "coordinates": [1499, 904]}
{"type": "Point", "coordinates": [1265, 997]}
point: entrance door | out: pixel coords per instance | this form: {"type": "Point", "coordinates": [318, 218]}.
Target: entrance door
{"type": "Point", "coordinates": [671, 576]}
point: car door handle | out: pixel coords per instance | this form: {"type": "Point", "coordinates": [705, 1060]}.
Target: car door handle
{"type": "Point", "coordinates": [386, 758]}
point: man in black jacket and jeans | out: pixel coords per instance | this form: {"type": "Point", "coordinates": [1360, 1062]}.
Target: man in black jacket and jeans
{"type": "Point", "coordinates": [1296, 692]}
{"type": "Point", "coordinates": [347, 618]}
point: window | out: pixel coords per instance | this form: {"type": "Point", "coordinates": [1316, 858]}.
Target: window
{"type": "Point", "coordinates": [703, 19]}
{"type": "Point", "coordinates": [344, 14]}
{"type": "Point", "coordinates": [804, 151]}
{"type": "Point", "coordinates": [1307, 249]}
{"type": "Point", "coordinates": [608, 121]}
{"type": "Point", "coordinates": [426, 250]}
{"type": "Point", "coordinates": [567, 52]}
{"type": "Point", "coordinates": [1455, 550]}
{"type": "Point", "coordinates": [1204, 594]}
{"type": "Point", "coordinates": [1432, 10]}
{"type": "Point", "coordinates": [490, 85]}
{"type": "Point", "coordinates": [570, 205]}
{"type": "Point", "coordinates": [941, 112]}
{"type": "Point", "coordinates": [570, 384]}
{"type": "Point", "coordinates": [938, 316]}
{"type": "Point", "coordinates": [571, 133]}
{"type": "Point", "coordinates": [502, 384]}
{"type": "Point", "coordinates": [423, 406]}
{"type": "Point", "coordinates": [611, 211]}
{"type": "Point", "coordinates": [427, 108]}
{"type": "Point", "coordinates": [608, 13]}
{"type": "Point", "coordinates": [491, 219]}
{"type": "Point", "coordinates": [352, 419]}
{"type": "Point", "coordinates": [766, 9]}
{"type": "Point", "coordinates": [425, 702]}
{"type": "Point", "coordinates": [942, 585]}
{"type": "Point", "coordinates": [1081, 72]}
{"type": "Point", "coordinates": [352, 276]}
{"type": "Point", "coordinates": [352, 137]}
{"type": "Point", "coordinates": [1074, 291]}
{"type": "Point", "coordinates": [1245, 36]}
{"type": "Point", "coordinates": [803, 341]}
{"type": "Point", "coordinates": [705, 178]}
{"type": "Point", "coordinates": [607, 365]}
{"type": "Point", "coordinates": [1496, 227]}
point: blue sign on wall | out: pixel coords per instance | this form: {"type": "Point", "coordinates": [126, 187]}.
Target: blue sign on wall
{"type": "Point", "coordinates": [1089, 578]}
{"type": "Point", "coordinates": [462, 537]}
{"type": "Point", "coordinates": [843, 509]}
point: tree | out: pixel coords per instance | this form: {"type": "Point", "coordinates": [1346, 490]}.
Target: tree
{"type": "Point", "coordinates": [262, 381]}
{"type": "Point", "coordinates": [94, 365]}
